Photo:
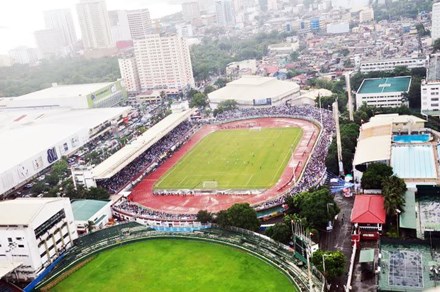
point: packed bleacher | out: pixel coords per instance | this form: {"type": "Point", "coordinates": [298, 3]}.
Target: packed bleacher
{"type": "Point", "coordinates": [313, 174]}
{"type": "Point", "coordinates": [152, 156]}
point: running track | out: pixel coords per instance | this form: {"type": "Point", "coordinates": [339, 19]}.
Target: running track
{"type": "Point", "coordinates": [191, 204]}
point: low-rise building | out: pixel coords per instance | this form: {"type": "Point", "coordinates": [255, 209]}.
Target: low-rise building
{"type": "Point", "coordinates": [383, 92]}
{"type": "Point", "coordinates": [391, 64]}
{"type": "Point", "coordinates": [368, 214]}
{"type": "Point", "coordinates": [91, 215]}
{"type": "Point", "coordinates": [33, 233]}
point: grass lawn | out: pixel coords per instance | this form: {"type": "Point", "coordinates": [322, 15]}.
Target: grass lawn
{"type": "Point", "coordinates": [176, 265]}
{"type": "Point", "coordinates": [235, 159]}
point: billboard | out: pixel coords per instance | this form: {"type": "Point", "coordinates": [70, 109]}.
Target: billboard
{"type": "Point", "coordinates": [104, 93]}
{"type": "Point", "coordinates": [263, 101]}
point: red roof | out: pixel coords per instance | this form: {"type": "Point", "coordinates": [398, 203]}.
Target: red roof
{"type": "Point", "coordinates": [368, 209]}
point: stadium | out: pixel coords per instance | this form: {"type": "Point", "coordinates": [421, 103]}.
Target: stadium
{"type": "Point", "coordinates": [253, 155]}
{"type": "Point", "coordinates": [189, 261]}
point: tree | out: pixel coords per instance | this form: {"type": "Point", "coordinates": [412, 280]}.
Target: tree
{"type": "Point", "coordinates": [208, 89]}
{"type": "Point", "coordinates": [199, 100]}
{"type": "Point", "coordinates": [239, 215]}
{"type": "Point", "coordinates": [294, 56]}
{"type": "Point", "coordinates": [316, 206]}
{"type": "Point", "coordinates": [436, 46]}
{"type": "Point", "coordinates": [393, 190]}
{"type": "Point", "coordinates": [334, 262]}
{"type": "Point", "coordinates": [97, 194]}
{"type": "Point", "coordinates": [60, 167]}
{"type": "Point", "coordinates": [204, 216]}
{"type": "Point", "coordinates": [280, 232]}
{"type": "Point", "coordinates": [375, 174]}
{"type": "Point", "coordinates": [226, 105]}
{"type": "Point", "coordinates": [220, 82]}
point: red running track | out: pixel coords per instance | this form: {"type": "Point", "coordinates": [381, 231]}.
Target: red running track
{"type": "Point", "coordinates": [191, 204]}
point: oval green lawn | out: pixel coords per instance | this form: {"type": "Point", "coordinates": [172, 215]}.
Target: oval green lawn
{"type": "Point", "coordinates": [176, 265]}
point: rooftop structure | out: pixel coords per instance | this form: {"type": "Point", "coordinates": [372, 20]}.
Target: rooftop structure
{"type": "Point", "coordinates": [430, 88]}
{"type": "Point", "coordinates": [414, 161]}
{"type": "Point", "coordinates": [93, 212]}
{"type": "Point", "coordinates": [55, 133]}
{"type": "Point", "coordinates": [256, 91]}
{"type": "Point", "coordinates": [368, 209]}
{"type": "Point", "coordinates": [387, 92]}
{"type": "Point", "coordinates": [130, 152]}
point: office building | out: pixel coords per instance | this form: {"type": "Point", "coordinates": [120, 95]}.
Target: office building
{"type": "Point", "coordinates": [190, 11]}
{"type": "Point", "coordinates": [33, 233]}
{"type": "Point", "coordinates": [95, 25]}
{"type": "Point", "coordinates": [163, 62]}
{"type": "Point", "coordinates": [430, 88]}
{"type": "Point", "coordinates": [225, 13]}
{"type": "Point", "coordinates": [435, 30]}
{"type": "Point", "coordinates": [139, 22]}
{"type": "Point", "coordinates": [61, 20]}
{"type": "Point", "coordinates": [129, 74]}
{"type": "Point", "coordinates": [383, 92]}
{"type": "Point", "coordinates": [119, 25]}
{"type": "Point", "coordinates": [50, 43]}
{"type": "Point", "coordinates": [23, 55]}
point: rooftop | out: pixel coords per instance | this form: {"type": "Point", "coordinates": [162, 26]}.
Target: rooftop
{"type": "Point", "coordinates": [413, 161]}
{"type": "Point", "coordinates": [385, 85]}
{"type": "Point", "coordinates": [83, 210]}
{"type": "Point", "coordinates": [23, 210]}
{"type": "Point", "coordinates": [368, 209]}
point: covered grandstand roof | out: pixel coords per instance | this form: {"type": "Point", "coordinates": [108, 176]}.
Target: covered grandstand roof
{"type": "Point", "coordinates": [130, 152]}
{"type": "Point", "coordinates": [368, 209]}
{"type": "Point", "coordinates": [248, 88]}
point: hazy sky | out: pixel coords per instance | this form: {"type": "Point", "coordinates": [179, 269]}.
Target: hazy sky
{"type": "Point", "coordinates": [20, 18]}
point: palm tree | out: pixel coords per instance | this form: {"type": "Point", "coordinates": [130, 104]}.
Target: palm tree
{"type": "Point", "coordinates": [393, 190]}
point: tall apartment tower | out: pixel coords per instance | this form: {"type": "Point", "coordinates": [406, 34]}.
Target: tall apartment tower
{"type": "Point", "coordinates": [61, 20]}
{"type": "Point", "coordinates": [190, 10]}
{"type": "Point", "coordinates": [95, 24]}
{"type": "Point", "coordinates": [435, 30]}
{"type": "Point", "coordinates": [119, 25]}
{"type": "Point", "coordinates": [50, 42]}
{"type": "Point", "coordinates": [129, 73]}
{"type": "Point", "coordinates": [139, 22]}
{"type": "Point", "coordinates": [225, 13]}
{"type": "Point", "coordinates": [162, 62]}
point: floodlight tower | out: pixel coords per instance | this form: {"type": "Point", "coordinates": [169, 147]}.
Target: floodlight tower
{"type": "Point", "coordinates": [338, 137]}
{"type": "Point", "coordinates": [350, 98]}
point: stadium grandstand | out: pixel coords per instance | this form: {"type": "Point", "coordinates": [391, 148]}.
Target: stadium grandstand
{"type": "Point", "coordinates": [272, 252]}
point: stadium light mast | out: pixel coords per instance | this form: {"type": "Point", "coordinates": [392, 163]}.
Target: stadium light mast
{"type": "Point", "coordinates": [350, 98]}
{"type": "Point", "coordinates": [338, 137]}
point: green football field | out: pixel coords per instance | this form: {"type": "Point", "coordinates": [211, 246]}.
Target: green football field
{"type": "Point", "coordinates": [176, 265]}
{"type": "Point", "coordinates": [234, 159]}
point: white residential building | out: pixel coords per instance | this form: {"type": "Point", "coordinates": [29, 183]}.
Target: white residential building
{"type": "Point", "coordinates": [50, 42]}
{"type": "Point", "coordinates": [190, 10]}
{"type": "Point", "coordinates": [366, 14]}
{"type": "Point", "coordinates": [129, 73]}
{"type": "Point", "coordinates": [139, 22]}
{"type": "Point", "coordinates": [24, 55]}
{"type": "Point", "coordinates": [163, 62]}
{"type": "Point", "coordinates": [61, 19]}
{"type": "Point", "coordinates": [435, 30]}
{"type": "Point", "coordinates": [391, 64]}
{"type": "Point", "coordinates": [225, 13]}
{"type": "Point", "coordinates": [430, 88]}
{"type": "Point", "coordinates": [95, 24]}
{"type": "Point", "coordinates": [119, 25]}
{"type": "Point", "coordinates": [33, 233]}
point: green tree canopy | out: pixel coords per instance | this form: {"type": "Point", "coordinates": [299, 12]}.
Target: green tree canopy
{"type": "Point", "coordinates": [204, 216]}
{"type": "Point", "coordinates": [375, 174]}
{"type": "Point", "coordinates": [280, 232]}
{"type": "Point", "coordinates": [199, 100]}
{"type": "Point", "coordinates": [334, 262]}
{"type": "Point", "coordinates": [239, 215]}
{"type": "Point", "coordinates": [393, 190]}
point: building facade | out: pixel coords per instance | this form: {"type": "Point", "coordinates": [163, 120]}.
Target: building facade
{"type": "Point", "coordinates": [50, 43]}
{"type": "Point", "coordinates": [23, 55]}
{"type": "Point", "coordinates": [190, 10]}
{"type": "Point", "coordinates": [430, 87]}
{"type": "Point", "coordinates": [390, 65]}
{"type": "Point", "coordinates": [225, 13]}
{"type": "Point", "coordinates": [94, 23]}
{"type": "Point", "coordinates": [139, 22]}
{"type": "Point", "coordinates": [119, 25]}
{"type": "Point", "coordinates": [163, 62]}
{"type": "Point", "coordinates": [61, 20]}
{"type": "Point", "coordinates": [435, 30]}
{"type": "Point", "coordinates": [129, 73]}
{"type": "Point", "coordinates": [383, 92]}
{"type": "Point", "coordinates": [33, 233]}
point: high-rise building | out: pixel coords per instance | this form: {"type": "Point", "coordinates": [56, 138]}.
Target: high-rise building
{"type": "Point", "coordinates": [61, 20]}
{"type": "Point", "coordinates": [430, 88]}
{"type": "Point", "coordinates": [129, 73]}
{"type": "Point", "coordinates": [23, 55]}
{"type": "Point", "coordinates": [207, 6]}
{"type": "Point", "coordinates": [50, 42]}
{"type": "Point", "coordinates": [225, 13]}
{"type": "Point", "coordinates": [435, 30]}
{"type": "Point", "coordinates": [163, 62]}
{"type": "Point", "coordinates": [139, 22]}
{"type": "Point", "coordinates": [119, 25]}
{"type": "Point", "coordinates": [95, 24]}
{"type": "Point", "coordinates": [190, 10]}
